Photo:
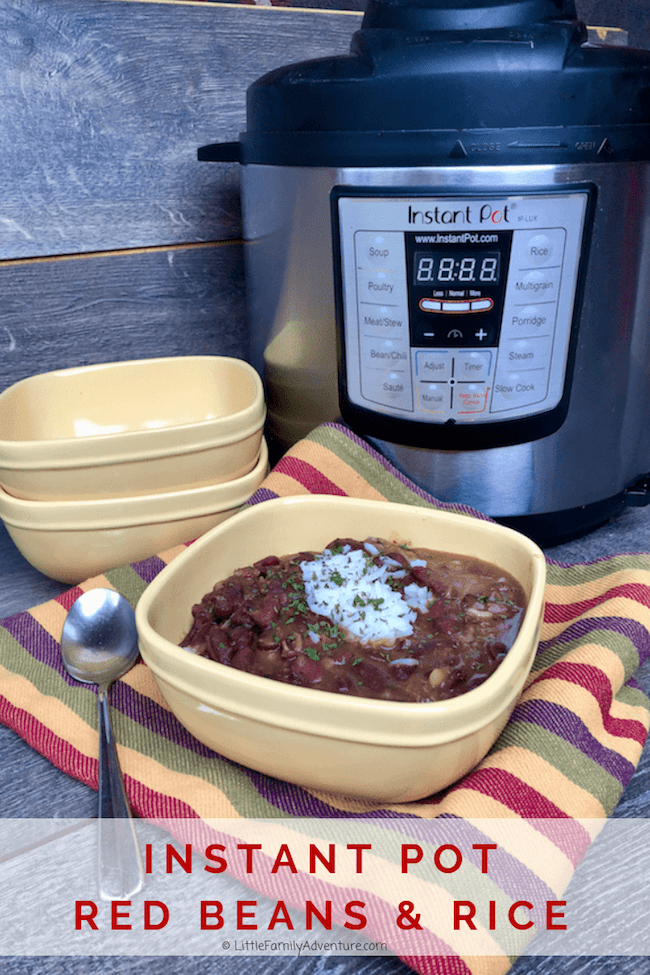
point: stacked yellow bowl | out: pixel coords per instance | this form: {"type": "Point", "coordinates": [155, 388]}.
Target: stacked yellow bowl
{"type": "Point", "coordinates": [111, 463]}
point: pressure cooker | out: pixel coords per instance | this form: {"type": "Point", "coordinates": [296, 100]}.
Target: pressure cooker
{"type": "Point", "coordinates": [448, 248]}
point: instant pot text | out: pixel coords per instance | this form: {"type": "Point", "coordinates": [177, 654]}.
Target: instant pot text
{"type": "Point", "coordinates": [467, 215]}
{"type": "Point", "coordinates": [402, 913]}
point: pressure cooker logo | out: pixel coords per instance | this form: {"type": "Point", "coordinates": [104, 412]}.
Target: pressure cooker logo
{"type": "Point", "coordinates": [471, 214]}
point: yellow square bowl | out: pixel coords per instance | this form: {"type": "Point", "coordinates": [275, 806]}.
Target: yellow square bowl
{"type": "Point", "coordinates": [379, 750]}
{"type": "Point", "coordinates": [74, 540]}
{"type": "Point", "coordinates": [119, 429]}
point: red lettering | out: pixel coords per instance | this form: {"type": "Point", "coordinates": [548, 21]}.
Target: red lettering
{"type": "Point", "coordinates": [458, 858]}
{"type": "Point", "coordinates": [315, 853]}
{"type": "Point", "coordinates": [325, 921]}
{"type": "Point", "coordinates": [284, 859]}
{"type": "Point", "coordinates": [511, 915]}
{"type": "Point", "coordinates": [406, 859]}
{"type": "Point", "coordinates": [207, 914]}
{"type": "Point", "coordinates": [210, 855]}
{"type": "Point", "coordinates": [89, 917]}
{"type": "Point", "coordinates": [484, 847]}
{"type": "Point", "coordinates": [280, 916]}
{"type": "Point", "coordinates": [117, 915]}
{"type": "Point", "coordinates": [359, 847]}
{"type": "Point", "coordinates": [350, 911]}
{"type": "Point", "coordinates": [148, 858]}
{"type": "Point", "coordinates": [173, 854]}
{"type": "Point", "coordinates": [244, 915]}
{"type": "Point", "coordinates": [150, 925]}
{"type": "Point", "coordinates": [249, 847]}
{"type": "Point", "coordinates": [552, 915]}
{"type": "Point", "coordinates": [493, 915]}
{"type": "Point", "coordinates": [467, 917]}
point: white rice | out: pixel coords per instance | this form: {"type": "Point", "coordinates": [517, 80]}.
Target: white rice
{"type": "Point", "coordinates": [351, 591]}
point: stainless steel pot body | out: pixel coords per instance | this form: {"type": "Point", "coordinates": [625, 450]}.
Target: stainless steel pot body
{"type": "Point", "coordinates": [603, 445]}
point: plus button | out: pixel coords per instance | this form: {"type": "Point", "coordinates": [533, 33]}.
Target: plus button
{"type": "Point", "coordinates": [481, 334]}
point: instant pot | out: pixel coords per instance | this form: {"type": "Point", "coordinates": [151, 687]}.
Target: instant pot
{"type": "Point", "coordinates": [447, 243]}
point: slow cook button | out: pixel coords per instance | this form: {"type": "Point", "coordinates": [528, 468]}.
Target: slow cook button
{"type": "Point", "coordinates": [516, 389]}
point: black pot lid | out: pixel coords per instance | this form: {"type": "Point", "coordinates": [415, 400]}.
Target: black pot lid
{"type": "Point", "coordinates": [453, 82]}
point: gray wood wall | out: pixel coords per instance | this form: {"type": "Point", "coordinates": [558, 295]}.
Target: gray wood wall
{"type": "Point", "coordinates": [114, 241]}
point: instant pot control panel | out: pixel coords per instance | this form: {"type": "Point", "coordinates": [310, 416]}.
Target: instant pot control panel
{"type": "Point", "coordinates": [456, 314]}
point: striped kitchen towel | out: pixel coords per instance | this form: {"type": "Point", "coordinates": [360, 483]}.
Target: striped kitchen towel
{"type": "Point", "coordinates": [557, 770]}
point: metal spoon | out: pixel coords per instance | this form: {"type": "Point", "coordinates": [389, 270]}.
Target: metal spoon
{"type": "Point", "coordinates": [99, 643]}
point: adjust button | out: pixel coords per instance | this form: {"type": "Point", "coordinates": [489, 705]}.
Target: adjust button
{"type": "Point", "coordinates": [433, 365]}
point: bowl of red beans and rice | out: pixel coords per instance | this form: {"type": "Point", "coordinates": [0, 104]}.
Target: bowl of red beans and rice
{"type": "Point", "coordinates": [360, 648]}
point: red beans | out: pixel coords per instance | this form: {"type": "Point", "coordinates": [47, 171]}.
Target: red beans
{"type": "Point", "coordinates": [259, 620]}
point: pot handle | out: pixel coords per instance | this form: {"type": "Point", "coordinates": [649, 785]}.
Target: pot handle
{"type": "Point", "coordinates": [220, 152]}
{"type": "Point", "coordinates": [638, 495]}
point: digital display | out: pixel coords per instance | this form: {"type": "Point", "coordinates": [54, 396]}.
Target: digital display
{"type": "Point", "coordinates": [442, 268]}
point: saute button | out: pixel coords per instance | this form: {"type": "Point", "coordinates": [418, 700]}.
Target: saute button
{"type": "Point", "coordinates": [391, 388]}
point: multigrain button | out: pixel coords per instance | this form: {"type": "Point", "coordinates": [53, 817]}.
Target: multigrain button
{"type": "Point", "coordinates": [541, 285]}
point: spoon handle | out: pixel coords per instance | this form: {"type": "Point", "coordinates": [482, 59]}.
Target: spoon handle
{"type": "Point", "coordinates": [120, 863]}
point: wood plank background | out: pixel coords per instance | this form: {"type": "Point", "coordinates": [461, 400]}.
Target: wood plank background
{"type": "Point", "coordinates": [115, 242]}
